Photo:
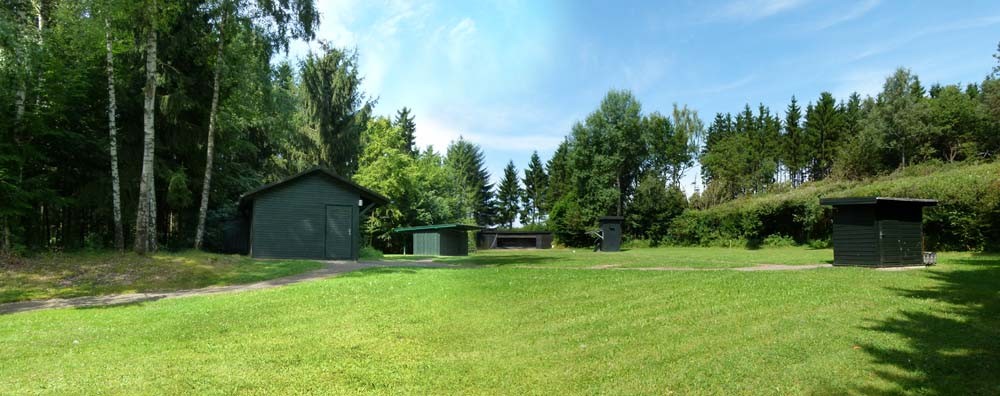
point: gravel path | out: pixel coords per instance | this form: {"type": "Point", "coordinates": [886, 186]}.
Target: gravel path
{"type": "Point", "coordinates": [332, 268]}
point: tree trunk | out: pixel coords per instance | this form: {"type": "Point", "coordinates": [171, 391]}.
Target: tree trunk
{"type": "Point", "coordinates": [153, 244]}
{"type": "Point", "coordinates": [146, 189]}
{"type": "Point", "coordinates": [113, 132]}
{"type": "Point", "coordinates": [620, 195]}
{"type": "Point", "coordinates": [41, 42]}
{"type": "Point", "coordinates": [210, 146]}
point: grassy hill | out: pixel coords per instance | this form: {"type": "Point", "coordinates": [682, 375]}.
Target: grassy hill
{"type": "Point", "coordinates": [967, 217]}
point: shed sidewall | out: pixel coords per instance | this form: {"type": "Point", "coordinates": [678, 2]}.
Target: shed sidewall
{"type": "Point", "coordinates": [289, 221]}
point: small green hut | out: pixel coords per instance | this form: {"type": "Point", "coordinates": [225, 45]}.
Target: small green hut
{"type": "Point", "coordinates": [440, 239]}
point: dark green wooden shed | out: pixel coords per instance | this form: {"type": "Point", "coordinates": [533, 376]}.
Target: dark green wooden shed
{"type": "Point", "coordinates": [314, 215]}
{"type": "Point", "coordinates": [440, 239]}
{"type": "Point", "coordinates": [878, 231]}
{"type": "Point", "coordinates": [611, 232]}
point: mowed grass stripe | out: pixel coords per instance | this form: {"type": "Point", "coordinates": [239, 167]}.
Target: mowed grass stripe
{"type": "Point", "coordinates": [496, 330]}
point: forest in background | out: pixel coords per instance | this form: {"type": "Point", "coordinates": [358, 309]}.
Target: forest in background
{"type": "Point", "coordinates": [138, 124]}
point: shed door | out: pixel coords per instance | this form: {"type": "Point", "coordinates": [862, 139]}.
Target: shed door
{"type": "Point", "coordinates": [338, 232]}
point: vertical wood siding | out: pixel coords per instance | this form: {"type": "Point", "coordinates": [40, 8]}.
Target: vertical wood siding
{"type": "Point", "coordinates": [900, 228]}
{"type": "Point", "coordinates": [441, 243]}
{"type": "Point", "coordinates": [855, 235]}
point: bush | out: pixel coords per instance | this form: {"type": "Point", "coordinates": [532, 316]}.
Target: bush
{"type": "Point", "coordinates": [370, 253]}
{"type": "Point", "coordinates": [778, 240]}
{"type": "Point", "coordinates": [966, 218]}
{"type": "Point", "coordinates": [820, 244]}
{"type": "Point", "coordinates": [630, 243]}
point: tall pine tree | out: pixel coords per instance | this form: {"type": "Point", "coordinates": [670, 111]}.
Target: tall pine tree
{"type": "Point", "coordinates": [795, 157]}
{"type": "Point", "coordinates": [508, 196]}
{"type": "Point", "coordinates": [467, 163]}
{"type": "Point", "coordinates": [535, 186]}
{"type": "Point", "coordinates": [823, 126]}
{"type": "Point", "coordinates": [405, 122]}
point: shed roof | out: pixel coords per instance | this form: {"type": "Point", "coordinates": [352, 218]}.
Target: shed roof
{"type": "Point", "coordinates": [874, 200]}
{"type": "Point", "coordinates": [365, 193]}
{"type": "Point", "coordinates": [437, 227]}
{"type": "Point", "coordinates": [512, 232]}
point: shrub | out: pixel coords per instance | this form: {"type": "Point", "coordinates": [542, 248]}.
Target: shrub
{"type": "Point", "coordinates": [370, 253]}
{"type": "Point", "coordinates": [778, 240]}
{"type": "Point", "coordinates": [966, 218]}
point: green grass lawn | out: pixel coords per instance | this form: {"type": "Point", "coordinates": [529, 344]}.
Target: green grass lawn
{"type": "Point", "coordinates": [96, 273]}
{"type": "Point", "coordinates": [509, 330]}
{"type": "Point", "coordinates": [694, 257]}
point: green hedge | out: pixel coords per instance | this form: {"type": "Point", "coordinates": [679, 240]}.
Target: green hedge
{"type": "Point", "coordinates": [966, 218]}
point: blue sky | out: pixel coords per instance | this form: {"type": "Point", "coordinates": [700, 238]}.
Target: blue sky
{"type": "Point", "coordinates": [513, 76]}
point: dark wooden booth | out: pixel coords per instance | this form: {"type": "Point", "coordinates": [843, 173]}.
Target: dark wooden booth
{"type": "Point", "coordinates": [878, 231]}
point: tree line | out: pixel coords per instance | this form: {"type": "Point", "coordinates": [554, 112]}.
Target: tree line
{"type": "Point", "coordinates": [904, 124]}
{"type": "Point", "coordinates": [619, 161]}
{"type": "Point", "coordinates": [140, 123]}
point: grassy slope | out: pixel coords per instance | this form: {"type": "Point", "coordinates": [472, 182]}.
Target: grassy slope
{"type": "Point", "coordinates": [96, 273]}
{"type": "Point", "coordinates": [944, 182]}
{"type": "Point", "coordinates": [532, 331]}
{"type": "Point", "coordinates": [695, 257]}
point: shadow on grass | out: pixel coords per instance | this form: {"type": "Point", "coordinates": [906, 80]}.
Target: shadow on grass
{"type": "Point", "coordinates": [123, 304]}
{"type": "Point", "coordinates": [483, 260]}
{"type": "Point", "coordinates": [953, 350]}
{"type": "Point", "coordinates": [386, 271]}
{"type": "Point", "coordinates": [504, 260]}
{"type": "Point", "coordinates": [14, 295]}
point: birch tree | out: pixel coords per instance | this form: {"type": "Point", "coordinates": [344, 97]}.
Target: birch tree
{"type": "Point", "coordinates": [113, 141]}
{"type": "Point", "coordinates": [210, 144]}
{"type": "Point", "coordinates": [281, 21]}
{"type": "Point", "coordinates": [145, 230]}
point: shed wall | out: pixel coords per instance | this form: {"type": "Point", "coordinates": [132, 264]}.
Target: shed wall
{"type": "Point", "coordinates": [612, 231]}
{"type": "Point", "coordinates": [855, 235]}
{"type": "Point", "coordinates": [289, 221]}
{"type": "Point", "coordinates": [454, 243]}
{"type": "Point", "coordinates": [902, 239]}
{"type": "Point", "coordinates": [426, 244]}
{"type": "Point", "coordinates": [236, 236]}
{"type": "Point", "coordinates": [441, 243]}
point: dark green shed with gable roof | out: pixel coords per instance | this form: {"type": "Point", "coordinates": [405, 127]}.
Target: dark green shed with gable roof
{"type": "Point", "coordinates": [440, 239]}
{"type": "Point", "coordinates": [877, 231]}
{"type": "Point", "coordinates": [313, 215]}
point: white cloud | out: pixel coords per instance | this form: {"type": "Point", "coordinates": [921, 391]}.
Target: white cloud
{"type": "Point", "coordinates": [460, 41]}
{"type": "Point", "coordinates": [646, 72]}
{"type": "Point", "coordinates": [866, 82]}
{"type": "Point", "coordinates": [489, 126]}
{"type": "Point", "coordinates": [719, 88]}
{"type": "Point", "coordinates": [434, 132]}
{"type": "Point", "coordinates": [858, 11]}
{"type": "Point", "coordinates": [463, 29]}
{"type": "Point", "coordinates": [752, 10]}
{"type": "Point", "coordinates": [900, 41]}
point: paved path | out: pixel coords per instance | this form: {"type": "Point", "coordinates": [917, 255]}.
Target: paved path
{"type": "Point", "coordinates": [760, 267]}
{"type": "Point", "coordinates": [332, 268]}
